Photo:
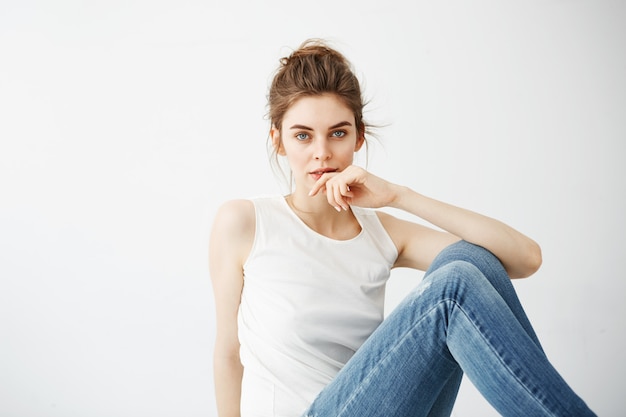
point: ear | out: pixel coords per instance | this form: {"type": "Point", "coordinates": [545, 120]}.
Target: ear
{"type": "Point", "coordinates": [359, 142]}
{"type": "Point", "coordinates": [360, 136]}
{"type": "Point", "coordinates": [277, 142]}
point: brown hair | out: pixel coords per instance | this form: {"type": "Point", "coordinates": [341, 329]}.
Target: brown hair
{"type": "Point", "coordinates": [314, 69]}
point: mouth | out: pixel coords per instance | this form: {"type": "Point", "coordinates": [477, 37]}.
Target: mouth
{"type": "Point", "coordinates": [321, 171]}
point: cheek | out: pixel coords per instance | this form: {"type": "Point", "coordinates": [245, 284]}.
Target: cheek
{"type": "Point", "coordinates": [296, 157]}
{"type": "Point", "coordinates": [347, 149]}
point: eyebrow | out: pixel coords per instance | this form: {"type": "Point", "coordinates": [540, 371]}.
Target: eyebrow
{"type": "Point", "coordinates": [335, 126]}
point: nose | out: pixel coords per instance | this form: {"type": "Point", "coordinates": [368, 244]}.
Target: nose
{"type": "Point", "coordinates": [322, 151]}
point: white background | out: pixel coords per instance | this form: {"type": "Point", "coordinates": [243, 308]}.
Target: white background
{"type": "Point", "coordinates": [125, 124]}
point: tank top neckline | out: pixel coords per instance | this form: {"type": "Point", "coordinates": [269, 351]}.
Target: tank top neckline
{"type": "Point", "coordinates": [292, 213]}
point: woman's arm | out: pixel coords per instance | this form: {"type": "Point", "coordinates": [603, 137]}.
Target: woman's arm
{"type": "Point", "coordinates": [232, 235]}
{"type": "Point", "coordinates": [418, 245]}
{"type": "Point", "coordinates": [520, 255]}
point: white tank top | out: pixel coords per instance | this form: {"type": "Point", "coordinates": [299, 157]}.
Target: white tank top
{"type": "Point", "coordinates": [308, 303]}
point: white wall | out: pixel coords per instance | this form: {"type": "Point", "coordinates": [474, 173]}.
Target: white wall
{"type": "Point", "coordinates": [123, 126]}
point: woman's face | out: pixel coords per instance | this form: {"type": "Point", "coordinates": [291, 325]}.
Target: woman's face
{"type": "Point", "coordinates": [318, 135]}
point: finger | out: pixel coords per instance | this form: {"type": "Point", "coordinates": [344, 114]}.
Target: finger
{"type": "Point", "coordinates": [319, 184]}
{"type": "Point", "coordinates": [338, 196]}
{"type": "Point", "coordinates": [331, 196]}
{"type": "Point", "coordinates": [346, 195]}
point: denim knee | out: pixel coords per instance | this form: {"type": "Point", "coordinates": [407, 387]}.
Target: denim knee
{"type": "Point", "coordinates": [452, 279]}
{"type": "Point", "coordinates": [465, 251]}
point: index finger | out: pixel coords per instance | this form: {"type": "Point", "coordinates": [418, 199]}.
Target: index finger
{"type": "Point", "coordinates": [319, 184]}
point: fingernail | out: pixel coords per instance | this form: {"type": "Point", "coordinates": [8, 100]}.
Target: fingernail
{"type": "Point", "coordinates": [338, 208]}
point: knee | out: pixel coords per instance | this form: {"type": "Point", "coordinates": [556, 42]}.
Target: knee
{"type": "Point", "coordinates": [460, 269]}
{"type": "Point", "coordinates": [463, 250]}
{"type": "Point", "coordinates": [455, 276]}
{"type": "Point", "coordinates": [470, 253]}
{"type": "Point", "coordinates": [452, 284]}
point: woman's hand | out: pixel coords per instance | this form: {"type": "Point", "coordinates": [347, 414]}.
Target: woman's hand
{"type": "Point", "coordinates": [356, 186]}
{"type": "Point", "coordinates": [520, 255]}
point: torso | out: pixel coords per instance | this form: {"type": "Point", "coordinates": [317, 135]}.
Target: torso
{"type": "Point", "coordinates": [308, 303]}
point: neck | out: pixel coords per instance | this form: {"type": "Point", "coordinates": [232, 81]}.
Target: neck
{"type": "Point", "coordinates": [320, 216]}
{"type": "Point", "coordinates": [316, 205]}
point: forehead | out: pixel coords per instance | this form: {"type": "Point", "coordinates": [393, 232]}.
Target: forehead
{"type": "Point", "coordinates": [325, 109]}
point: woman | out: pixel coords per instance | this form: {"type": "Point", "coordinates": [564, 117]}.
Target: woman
{"type": "Point", "coordinates": [299, 281]}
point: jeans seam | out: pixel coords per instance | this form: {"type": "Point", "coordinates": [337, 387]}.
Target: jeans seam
{"type": "Point", "coordinates": [494, 351]}
{"type": "Point", "coordinates": [400, 339]}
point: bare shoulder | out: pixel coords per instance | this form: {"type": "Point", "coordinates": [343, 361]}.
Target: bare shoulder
{"type": "Point", "coordinates": [417, 244]}
{"type": "Point", "coordinates": [398, 228]}
{"type": "Point", "coordinates": [386, 219]}
{"type": "Point", "coordinates": [236, 215]}
{"type": "Point", "coordinates": [234, 228]}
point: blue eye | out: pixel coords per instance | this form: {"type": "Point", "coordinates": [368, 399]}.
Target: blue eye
{"type": "Point", "coordinates": [338, 134]}
{"type": "Point", "coordinates": [302, 136]}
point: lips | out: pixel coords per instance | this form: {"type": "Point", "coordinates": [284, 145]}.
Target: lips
{"type": "Point", "coordinates": [321, 171]}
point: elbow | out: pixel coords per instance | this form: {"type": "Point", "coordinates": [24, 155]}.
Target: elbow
{"type": "Point", "coordinates": [532, 261]}
{"type": "Point", "coordinates": [535, 259]}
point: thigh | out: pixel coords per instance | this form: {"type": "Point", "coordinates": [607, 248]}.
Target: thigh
{"type": "Point", "coordinates": [403, 369]}
{"type": "Point", "coordinates": [491, 268]}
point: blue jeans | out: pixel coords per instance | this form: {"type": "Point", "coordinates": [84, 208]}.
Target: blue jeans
{"type": "Point", "coordinates": [464, 317]}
